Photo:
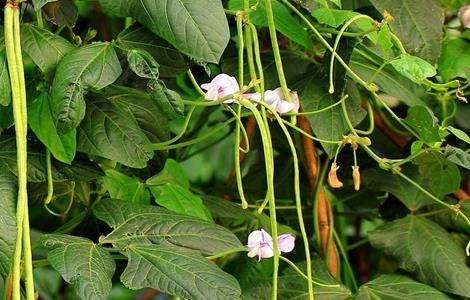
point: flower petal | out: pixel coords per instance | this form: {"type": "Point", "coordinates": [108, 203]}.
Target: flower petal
{"type": "Point", "coordinates": [212, 93]}
{"type": "Point", "coordinates": [285, 106]}
{"type": "Point", "coordinates": [286, 242]}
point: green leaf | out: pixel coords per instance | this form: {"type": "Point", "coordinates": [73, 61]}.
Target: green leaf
{"type": "Point", "coordinates": [426, 250]}
{"type": "Point", "coordinates": [94, 66]}
{"type": "Point", "coordinates": [41, 122]}
{"type": "Point", "coordinates": [121, 186]}
{"type": "Point", "coordinates": [180, 200]}
{"type": "Point", "coordinates": [413, 67]}
{"type": "Point", "coordinates": [45, 48]}
{"type": "Point", "coordinates": [146, 224]}
{"type": "Point", "coordinates": [170, 60]}
{"type": "Point", "coordinates": [86, 266]}
{"type": "Point", "coordinates": [449, 220]}
{"type": "Point", "coordinates": [114, 134]}
{"type": "Point", "coordinates": [8, 193]}
{"type": "Point", "coordinates": [168, 101]}
{"type": "Point", "coordinates": [47, 283]}
{"type": "Point", "coordinates": [459, 134]}
{"type": "Point", "coordinates": [177, 271]}
{"type": "Point", "coordinates": [418, 24]}
{"type": "Point", "coordinates": [393, 287]}
{"type": "Point", "coordinates": [172, 173]}
{"type": "Point", "coordinates": [457, 156]}
{"type": "Point", "coordinates": [150, 118]}
{"type": "Point", "coordinates": [286, 24]}
{"type": "Point", "coordinates": [38, 4]}
{"type": "Point", "coordinates": [198, 29]}
{"type": "Point", "coordinates": [332, 17]}
{"type": "Point", "coordinates": [431, 170]}
{"type": "Point", "coordinates": [5, 88]}
{"type": "Point", "coordinates": [143, 64]}
{"type": "Point", "coordinates": [455, 59]}
{"type": "Point", "coordinates": [421, 119]}
{"type": "Point", "coordinates": [61, 12]}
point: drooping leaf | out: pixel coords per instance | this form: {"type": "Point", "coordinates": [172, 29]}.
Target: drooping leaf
{"type": "Point", "coordinates": [168, 101]}
{"type": "Point", "coordinates": [418, 24]}
{"type": "Point", "coordinates": [413, 67]}
{"type": "Point", "coordinates": [45, 48]}
{"type": "Point", "coordinates": [94, 66]}
{"type": "Point", "coordinates": [457, 156]}
{"type": "Point", "coordinates": [40, 120]}
{"type": "Point", "coordinates": [121, 186]}
{"type": "Point", "coordinates": [86, 266]}
{"type": "Point", "coordinates": [150, 118]}
{"type": "Point", "coordinates": [5, 88]}
{"type": "Point", "coordinates": [170, 60]}
{"type": "Point", "coordinates": [146, 224]}
{"type": "Point", "coordinates": [180, 200]}
{"type": "Point", "coordinates": [143, 64]}
{"type": "Point", "coordinates": [285, 22]}
{"type": "Point", "coordinates": [455, 59]}
{"type": "Point", "coordinates": [60, 12]}
{"type": "Point", "coordinates": [114, 134]}
{"type": "Point", "coordinates": [422, 121]}
{"type": "Point", "coordinates": [38, 4]}
{"type": "Point", "coordinates": [7, 222]}
{"type": "Point", "coordinates": [198, 29]}
{"type": "Point", "coordinates": [172, 173]}
{"type": "Point", "coordinates": [430, 170]}
{"type": "Point", "coordinates": [177, 271]}
{"type": "Point", "coordinates": [426, 250]}
{"type": "Point", "coordinates": [392, 286]}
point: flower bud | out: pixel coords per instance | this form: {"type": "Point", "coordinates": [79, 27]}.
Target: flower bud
{"type": "Point", "coordinates": [356, 178]}
{"type": "Point", "coordinates": [333, 180]}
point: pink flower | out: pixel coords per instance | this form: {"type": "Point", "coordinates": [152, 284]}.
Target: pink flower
{"type": "Point", "coordinates": [222, 85]}
{"type": "Point", "coordinates": [276, 100]}
{"type": "Point", "coordinates": [260, 244]}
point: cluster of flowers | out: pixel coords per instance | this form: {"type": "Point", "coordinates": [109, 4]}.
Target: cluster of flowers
{"type": "Point", "coordinates": [224, 85]}
{"type": "Point", "coordinates": [260, 244]}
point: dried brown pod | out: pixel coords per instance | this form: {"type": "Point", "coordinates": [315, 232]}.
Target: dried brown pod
{"type": "Point", "coordinates": [333, 180]}
{"type": "Point", "coordinates": [356, 178]}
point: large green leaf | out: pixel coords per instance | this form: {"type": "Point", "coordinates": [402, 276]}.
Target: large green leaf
{"type": "Point", "coordinates": [180, 200]}
{"type": "Point", "coordinates": [7, 222]}
{"type": "Point", "coordinates": [60, 12]}
{"type": "Point", "coordinates": [418, 24]}
{"type": "Point", "coordinates": [5, 88]}
{"type": "Point", "coordinates": [150, 118]}
{"type": "Point", "coordinates": [121, 186]}
{"type": "Point", "coordinates": [88, 267]}
{"type": "Point", "coordinates": [114, 134]}
{"type": "Point", "coordinates": [447, 218]}
{"type": "Point", "coordinates": [170, 60]}
{"type": "Point", "coordinates": [94, 66]}
{"type": "Point", "coordinates": [458, 156]}
{"type": "Point", "coordinates": [286, 24]}
{"type": "Point", "coordinates": [45, 48]}
{"type": "Point", "coordinates": [430, 170]}
{"type": "Point", "coordinates": [413, 67]}
{"type": "Point", "coordinates": [197, 28]}
{"type": "Point", "coordinates": [172, 172]}
{"type": "Point", "coordinates": [397, 287]}
{"type": "Point", "coordinates": [332, 17]}
{"type": "Point", "coordinates": [455, 59]}
{"type": "Point", "coordinates": [38, 4]}
{"type": "Point", "coordinates": [40, 120]}
{"type": "Point", "coordinates": [177, 271]}
{"type": "Point", "coordinates": [426, 250]}
{"type": "Point", "coordinates": [145, 224]}
{"type": "Point", "coordinates": [143, 64]}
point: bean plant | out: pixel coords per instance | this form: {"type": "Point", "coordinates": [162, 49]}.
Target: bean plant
{"type": "Point", "coordinates": [234, 149]}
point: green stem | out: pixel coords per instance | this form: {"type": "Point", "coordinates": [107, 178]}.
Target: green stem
{"type": "Point", "coordinates": [335, 47]}
{"type": "Point", "coordinates": [346, 259]}
{"type": "Point", "coordinates": [298, 201]}
{"type": "Point", "coordinates": [370, 113]}
{"type": "Point", "coordinates": [16, 71]}
{"type": "Point", "coordinates": [50, 182]}
{"type": "Point", "coordinates": [194, 82]}
{"type": "Point", "coordinates": [182, 132]}
{"type": "Point", "coordinates": [305, 276]}
{"type": "Point", "coordinates": [227, 252]}
{"type": "Point", "coordinates": [275, 47]}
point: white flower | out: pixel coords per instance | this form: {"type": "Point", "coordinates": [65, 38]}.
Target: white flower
{"type": "Point", "coordinates": [222, 85]}
{"type": "Point", "coordinates": [275, 99]}
{"type": "Point", "coordinates": [260, 244]}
